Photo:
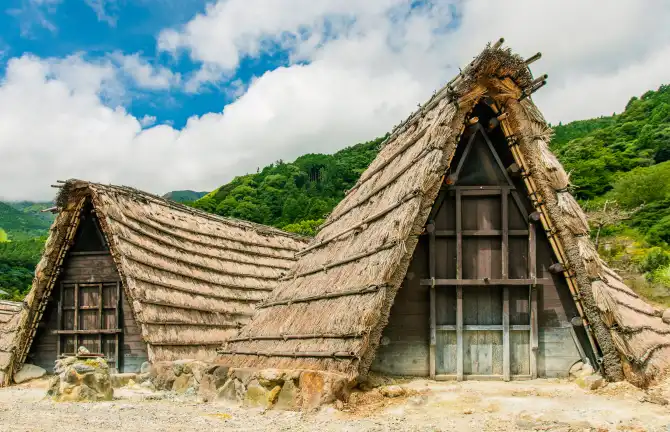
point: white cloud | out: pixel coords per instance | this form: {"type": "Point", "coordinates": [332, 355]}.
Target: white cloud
{"type": "Point", "coordinates": [35, 13]}
{"type": "Point", "coordinates": [144, 74]}
{"type": "Point", "coordinates": [148, 121]}
{"type": "Point", "coordinates": [102, 9]}
{"type": "Point", "coordinates": [360, 79]}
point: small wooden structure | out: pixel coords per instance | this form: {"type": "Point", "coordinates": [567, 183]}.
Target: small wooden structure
{"type": "Point", "coordinates": [459, 254]}
{"type": "Point", "coordinates": [10, 317]}
{"type": "Point", "coordinates": [136, 277]}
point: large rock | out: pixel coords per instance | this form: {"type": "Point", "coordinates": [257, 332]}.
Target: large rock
{"type": "Point", "coordinates": [318, 388]}
{"type": "Point", "coordinates": [232, 391]}
{"type": "Point", "coordinates": [591, 382]}
{"type": "Point", "coordinates": [256, 395]}
{"type": "Point", "coordinates": [122, 379]}
{"type": "Point", "coordinates": [183, 383]}
{"type": "Point", "coordinates": [287, 399]}
{"type": "Point", "coordinates": [666, 316]}
{"type": "Point", "coordinates": [84, 379]}
{"type": "Point", "coordinates": [29, 372]}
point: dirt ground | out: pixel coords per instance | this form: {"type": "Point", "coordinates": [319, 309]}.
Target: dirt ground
{"type": "Point", "coordinates": [546, 405]}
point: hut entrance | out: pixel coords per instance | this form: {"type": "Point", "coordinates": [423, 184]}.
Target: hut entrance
{"type": "Point", "coordinates": [482, 279]}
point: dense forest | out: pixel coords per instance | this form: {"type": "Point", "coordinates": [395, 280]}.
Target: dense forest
{"type": "Point", "coordinates": [619, 165]}
{"type": "Point", "coordinates": [294, 196]}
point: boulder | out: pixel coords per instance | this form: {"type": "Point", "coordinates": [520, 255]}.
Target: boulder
{"type": "Point", "coordinates": [666, 316]}
{"type": "Point", "coordinates": [207, 388]}
{"type": "Point", "coordinates": [287, 399]}
{"type": "Point", "coordinates": [29, 372]}
{"type": "Point", "coordinates": [145, 368]}
{"type": "Point", "coordinates": [81, 380]}
{"type": "Point", "coordinates": [182, 383]}
{"type": "Point", "coordinates": [232, 391]}
{"type": "Point", "coordinates": [122, 379]}
{"type": "Point", "coordinates": [256, 395]}
{"type": "Point", "coordinates": [392, 391]}
{"type": "Point", "coordinates": [220, 375]}
{"type": "Point", "coordinates": [591, 382]}
{"type": "Point", "coordinates": [319, 388]}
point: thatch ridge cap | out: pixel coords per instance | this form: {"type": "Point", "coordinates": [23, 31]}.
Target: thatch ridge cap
{"type": "Point", "coordinates": [73, 184]}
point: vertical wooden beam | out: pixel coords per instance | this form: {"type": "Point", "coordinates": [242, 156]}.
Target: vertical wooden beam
{"type": "Point", "coordinates": [459, 289]}
{"type": "Point", "coordinates": [533, 332]}
{"type": "Point", "coordinates": [76, 316]}
{"type": "Point", "coordinates": [505, 233]}
{"type": "Point", "coordinates": [433, 320]}
{"type": "Point", "coordinates": [506, 345]}
{"type": "Point", "coordinates": [459, 237]}
{"type": "Point", "coordinates": [119, 325]}
{"type": "Point", "coordinates": [100, 317]}
{"type": "Point", "coordinates": [59, 318]}
{"type": "Point", "coordinates": [532, 254]}
{"type": "Point", "coordinates": [459, 333]}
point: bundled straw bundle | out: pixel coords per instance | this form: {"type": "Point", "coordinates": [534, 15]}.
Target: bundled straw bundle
{"type": "Point", "coordinates": [556, 175]}
{"type": "Point", "coordinates": [589, 256]}
{"type": "Point", "coordinates": [573, 216]}
{"type": "Point", "coordinates": [604, 302]}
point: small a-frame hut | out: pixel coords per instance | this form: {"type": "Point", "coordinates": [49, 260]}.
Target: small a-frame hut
{"type": "Point", "coordinates": [10, 315]}
{"type": "Point", "coordinates": [459, 254]}
{"type": "Point", "coordinates": [137, 277]}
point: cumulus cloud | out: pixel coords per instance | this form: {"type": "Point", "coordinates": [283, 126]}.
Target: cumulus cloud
{"type": "Point", "coordinates": [357, 68]}
{"type": "Point", "coordinates": [144, 74]}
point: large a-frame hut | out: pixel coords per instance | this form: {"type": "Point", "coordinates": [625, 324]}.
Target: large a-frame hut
{"type": "Point", "coordinates": [137, 277]}
{"type": "Point", "coordinates": [459, 254]}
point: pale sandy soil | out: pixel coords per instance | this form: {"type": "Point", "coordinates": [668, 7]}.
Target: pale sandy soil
{"type": "Point", "coordinates": [546, 405]}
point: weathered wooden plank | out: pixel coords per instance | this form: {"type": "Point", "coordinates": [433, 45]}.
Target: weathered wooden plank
{"type": "Point", "coordinates": [459, 333]}
{"type": "Point", "coordinates": [506, 330]}
{"type": "Point", "coordinates": [533, 332]}
{"type": "Point", "coordinates": [489, 327]}
{"type": "Point", "coordinates": [484, 281]}
{"type": "Point", "coordinates": [532, 261]}
{"type": "Point", "coordinates": [459, 237]}
{"type": "Point", "coordinates": [481, 233]}
{"type": "Point", "coordinates": [433, 312]}
{"type": "Point", "coordinates": [504, 250]}
{"type": "Point", "coordinates": [519, 353]}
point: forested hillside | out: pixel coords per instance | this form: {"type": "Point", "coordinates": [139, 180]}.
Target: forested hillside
{"type": "Point", "coordinates": [184, 196]}
{"type": "Point", "coordinates": [294, 196]}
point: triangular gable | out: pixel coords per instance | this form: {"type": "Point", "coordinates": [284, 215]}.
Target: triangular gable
{"type": "Point", "coordinates": [328, 314]}
{"type": "Point", "coordinates": [191, 278]}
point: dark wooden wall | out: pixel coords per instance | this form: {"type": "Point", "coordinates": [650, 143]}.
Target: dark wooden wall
{"type": "Point", "coordinates": [404, 349]}
{"type": "Point", "coordinates": [88, 262]}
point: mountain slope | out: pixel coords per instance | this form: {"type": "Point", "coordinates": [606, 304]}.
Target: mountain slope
{"type": "Point", "coordinates": [21, 226]}
{"type": "Point", "coordinates": [294, 196]}
{"type": "Point", "coordinates": [183, 196]}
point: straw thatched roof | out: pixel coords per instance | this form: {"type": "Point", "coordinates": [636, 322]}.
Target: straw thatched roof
{"type": "Point", "coordinates": [329, 313]}
{"type": "Point", "coordinates": [191, 278]}
{"type": "Point", "coordinates": [9, 324]}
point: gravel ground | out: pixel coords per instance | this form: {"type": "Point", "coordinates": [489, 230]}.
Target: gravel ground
{"type": "Point", "coordinates": [428, 406]}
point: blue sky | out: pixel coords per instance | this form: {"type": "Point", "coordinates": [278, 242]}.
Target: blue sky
{"type": "Point", "coordinates": [186, 94]}
{"type": "Point", "coordinates": [58, 28]}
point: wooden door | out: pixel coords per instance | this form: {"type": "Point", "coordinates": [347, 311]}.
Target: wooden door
{"type": "Point", "coordinates": [89, 316]}
{"type": "Point", "coordinates": [482, 272]}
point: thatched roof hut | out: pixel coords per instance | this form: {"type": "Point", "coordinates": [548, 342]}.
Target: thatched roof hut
{"type": "Point", "coordinates": [9, 324]}
{"type": "Point", "coordinates": [139, 277]}
{"type": "Point", "coordinates": [330, 312]}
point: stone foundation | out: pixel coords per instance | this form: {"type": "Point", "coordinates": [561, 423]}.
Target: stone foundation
{"type": "Point", "coordinates": [265, 388]}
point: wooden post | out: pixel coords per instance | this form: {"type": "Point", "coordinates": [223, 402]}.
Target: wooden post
{"type": "Point", "coordinates": [505, 234]}
{"type": "Point", "coordinates": [119, 325]}
{"type": "Point", "coordinates": [532, 266]}
{"type": "Point", "coordinates": [459, 333]}
{"type": "Point", "coordinates": [100, 317]}
{"type": "Point", "coordinates": [76, 316]}
{"type": "Point", "coordinates": [433, 320]}
{"type": "Point", "coordinates": [59, 318]}
{"type": "Point", "coordinates": [459, 237]}
{"type": "Point", "coordinates": [506, 345]}
{"type": "Point", "coordinates": [533, 332]}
